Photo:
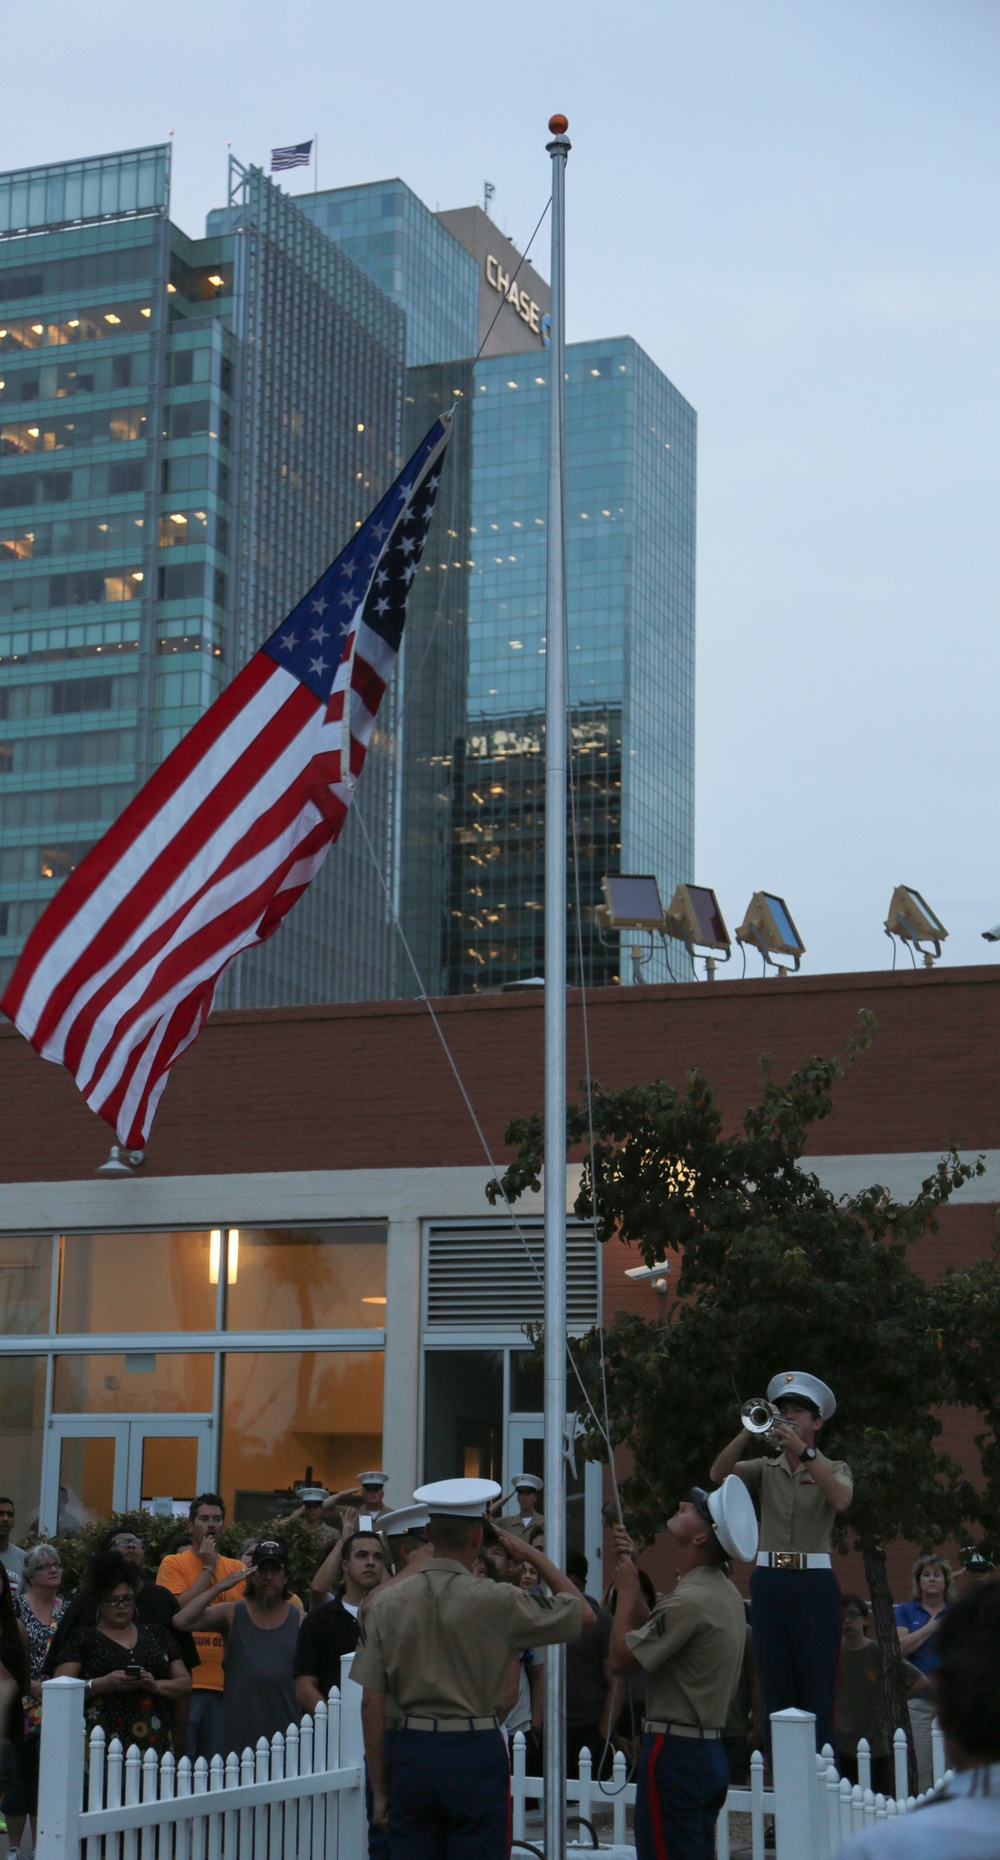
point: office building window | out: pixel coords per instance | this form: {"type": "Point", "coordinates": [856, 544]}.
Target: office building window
{"type": "Point", "coordinates": [292, 1414]}
{"type": "Point", "coordinates": [306, 1278]}
{"type": "Point", "coordinates": [136, 1282]}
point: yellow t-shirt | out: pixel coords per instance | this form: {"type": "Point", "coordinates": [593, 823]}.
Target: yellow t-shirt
{"type": "Point", "coordinates": [177, 1573]}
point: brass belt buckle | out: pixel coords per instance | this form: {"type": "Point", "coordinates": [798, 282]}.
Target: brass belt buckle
{"type": "Point", "coordinates": [786, 1559]}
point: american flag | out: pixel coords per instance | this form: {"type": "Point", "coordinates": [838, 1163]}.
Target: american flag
{"type": "Point", "coordinates": [295, 156]}
{"type": "Point", "coordinates": [118, 975]}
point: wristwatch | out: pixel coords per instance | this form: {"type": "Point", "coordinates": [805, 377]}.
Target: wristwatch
{"type": "Point", "coordinates": [808, 1453]}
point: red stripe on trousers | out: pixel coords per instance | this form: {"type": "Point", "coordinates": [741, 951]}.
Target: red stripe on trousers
{"type": "Point", "coordinates": [654, 1800]}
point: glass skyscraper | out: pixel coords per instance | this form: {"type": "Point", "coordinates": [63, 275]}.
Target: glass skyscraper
{"type": "Point", "coordinates": [471, 867]}
{"type": "Point", "coordinates": [189, 430]}
{"type": "Point", "coordinates": [630, 508]}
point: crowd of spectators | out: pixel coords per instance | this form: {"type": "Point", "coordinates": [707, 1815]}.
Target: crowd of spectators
{"type": "Point", "coordinates": [210, 1653]}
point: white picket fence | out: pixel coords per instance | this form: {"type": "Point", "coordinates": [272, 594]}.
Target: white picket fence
{"type": "Point", "coordinates": [301, 1797]}
{"type": "Point", "coordinates": [814, 1810]}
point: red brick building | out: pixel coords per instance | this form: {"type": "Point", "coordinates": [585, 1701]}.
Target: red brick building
{"type": "Point", "coordinates": [306, 1276]}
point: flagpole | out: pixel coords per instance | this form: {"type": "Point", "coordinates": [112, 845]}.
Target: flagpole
{"type": "Point", "coordinates": [316, 160]}
{"type": "Point", "coordinates": [555, 1014]}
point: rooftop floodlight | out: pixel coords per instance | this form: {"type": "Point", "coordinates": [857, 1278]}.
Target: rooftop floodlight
{"type": "Point", "coordinates": [694, 917]}
{"type": "Point", "coordinates": [914, 923]}
{"type": "Point", "coordinates": [769, 928]}
{"type": "Point", "coordinates": [992, 936]}
{"type": "Point", "coordinates": [632, 902]}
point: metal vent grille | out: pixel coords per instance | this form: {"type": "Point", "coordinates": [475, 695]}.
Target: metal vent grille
{"type": "Point", "coordinates": [479, 1277]}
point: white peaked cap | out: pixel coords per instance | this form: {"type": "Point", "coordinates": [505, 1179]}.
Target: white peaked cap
{"type": "Point", "coordinates": [457, 1498]}
{"type": "Point", "coordinates": [735, 1519]}
{"type": "Point", "coordinates": [797, 1382]}
{"type": "Point", "coordinates": [409, 1520]}
{"type": "Point", "coordinates": [312, 1494]}
{"type": "Point", "coordinates": [373, 1478]}
{"type": "Point", "coordinates": [531, 1480]}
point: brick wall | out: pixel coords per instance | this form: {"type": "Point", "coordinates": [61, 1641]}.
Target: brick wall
{"type": "Point", "coordinates": [369, 1086]}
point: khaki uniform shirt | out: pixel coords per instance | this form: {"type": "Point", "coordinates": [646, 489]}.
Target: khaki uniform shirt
{"type": "Point", "coordinates": [528, 1528]}
{"type": "Point", "coordinates": [794, 1514]}
{"type": "Point", "coordinates": [691, 1650]}
{"type": "Point", "coordinates": [440, 1643]}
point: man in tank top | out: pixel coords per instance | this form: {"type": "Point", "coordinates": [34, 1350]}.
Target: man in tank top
{"type": "Point", "coordinates": [260, 1634]}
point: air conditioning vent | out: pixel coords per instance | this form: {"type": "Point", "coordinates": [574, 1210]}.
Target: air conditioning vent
{"type": "Point", "coordinates": [480, 1277]}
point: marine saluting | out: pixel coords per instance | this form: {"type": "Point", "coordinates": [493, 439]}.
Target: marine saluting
{"type": "Point", "coordinates": [435, 1650]}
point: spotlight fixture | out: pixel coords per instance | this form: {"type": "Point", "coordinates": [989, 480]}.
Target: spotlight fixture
{"type": "Point", "coordinates": [992, 936]}
{"type": "Point", "coordinates": [769, 928]}
{"type": "Point", "coordinates": [914, 923]}
{"type": "Point", "coordinates": [632, 902]}
{"type": "Point", "coordinates": [694, 917]}
{"type": "Point", "coordinates": [121, 1161]}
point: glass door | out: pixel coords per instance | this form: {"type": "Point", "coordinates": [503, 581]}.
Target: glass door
{"type": "Point", "coordinates": [95, 1466]}
{"type": "Point", "coordinates": [584, 1527]}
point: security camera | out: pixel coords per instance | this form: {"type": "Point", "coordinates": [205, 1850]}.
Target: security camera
{"type": "Point", "coordinates": [992, 936]}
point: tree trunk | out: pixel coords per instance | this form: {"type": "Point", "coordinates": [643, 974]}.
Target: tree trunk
{"type": "Point", "coordinates": [893, 1683]}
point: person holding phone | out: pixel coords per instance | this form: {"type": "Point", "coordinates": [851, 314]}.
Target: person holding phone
{"type": "Point", "coordinates": [133, 1672]}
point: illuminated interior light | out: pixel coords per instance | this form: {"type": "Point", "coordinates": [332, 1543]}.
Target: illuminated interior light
{"type": "Point", "coordinates": [37, 328]}
{"type": "Point", "coordinates": [110, 317]}
{"type": "Point", "coordinates": [146, 310]}
{"type": "Point", "coordinates": [216, 280]}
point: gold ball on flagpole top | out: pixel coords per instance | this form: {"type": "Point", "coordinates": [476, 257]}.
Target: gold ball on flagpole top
{"type": "Point", "coordinates": [558, 125]}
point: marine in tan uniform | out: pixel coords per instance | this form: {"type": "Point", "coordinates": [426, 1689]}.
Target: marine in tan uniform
{"type": "Point", "coordinates": [529, 1522]}
{"type": "Point", "coordinates": [794, 1594]}
{"type": "Point", "coordinates": [690, 1649]}
{"type": "Point", "coordinates": [435, 1651]}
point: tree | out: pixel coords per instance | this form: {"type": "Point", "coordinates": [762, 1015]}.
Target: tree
{"type": "Point", "coordinates": [773, 1270]}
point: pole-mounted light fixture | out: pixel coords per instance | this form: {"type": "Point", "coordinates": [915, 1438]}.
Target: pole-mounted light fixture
{"type": "Point", "coordinates": [632, 902]}
{"type": "Point", "coordinates": [769, 928]}
{"type": "Point", "coordinates": [914, 923]}
{"type": "Point", "coordinates": [694, 917]}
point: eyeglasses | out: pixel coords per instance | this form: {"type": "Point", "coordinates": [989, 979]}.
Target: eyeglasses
{"type": "Point", "coordinates": [119, 1601]}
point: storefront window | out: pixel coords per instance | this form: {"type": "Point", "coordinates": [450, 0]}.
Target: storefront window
{"type": "Point", "coordinates": [25, 1283]}
{"type": "Point", "coordinates": [292, 1415]}
{"type": "Point", "coordinates": [137, 1382]}
{"type": "Point", "coordinates": [136, 1282]}
{"type": "Point", "coordinates": [22, 1426]}
{"type": "Point", "coordinates": [464, 1414]}
{"type": "Point", "coordinates": [306, 1278]}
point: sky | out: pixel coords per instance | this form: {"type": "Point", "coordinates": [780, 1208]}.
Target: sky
{"type": "Point", "coordinates": [792, 206]}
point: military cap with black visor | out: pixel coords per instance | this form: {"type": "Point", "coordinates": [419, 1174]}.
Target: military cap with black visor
{"type": "Point", "coordinates": [438, 1645]}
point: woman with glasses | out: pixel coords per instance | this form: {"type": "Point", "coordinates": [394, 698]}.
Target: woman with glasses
{"type": "Point", "coordinates": [40, 1605]}
{"type": "Point", "coordinates": [134, 1672]}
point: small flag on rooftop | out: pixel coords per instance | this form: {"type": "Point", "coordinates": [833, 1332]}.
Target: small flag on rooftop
{"type": "Point", "coordinates": [295, 156]}
{"type": "Point", "coordinates": [118, 975]}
